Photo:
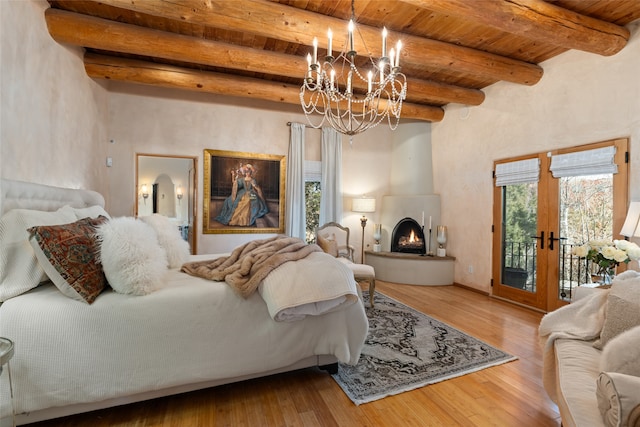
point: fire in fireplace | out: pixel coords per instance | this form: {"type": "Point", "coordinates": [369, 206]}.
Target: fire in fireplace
{"type": "Point", "coordinates": [408, 237]}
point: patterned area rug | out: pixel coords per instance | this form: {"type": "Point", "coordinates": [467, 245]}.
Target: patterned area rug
{"type": "Point", "coordinates": [406, 349]}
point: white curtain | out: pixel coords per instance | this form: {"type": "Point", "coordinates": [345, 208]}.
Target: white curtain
{"type": "Point", "coordinates": [599, 161]}
{"type": "Point", "coordinates": [331, 183]}
{"type": "Point", "coordinates": [518, 172]}
{"type": "Point", "coordinates": [295, 217]}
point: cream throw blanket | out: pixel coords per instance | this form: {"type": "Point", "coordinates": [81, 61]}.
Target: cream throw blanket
{"type": "Point", "coordinates": [582, 319]}
{"type": "Point", "coordinates": [250, 263]}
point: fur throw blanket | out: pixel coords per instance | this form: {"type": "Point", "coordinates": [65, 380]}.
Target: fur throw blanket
{"type": "Point", "coordinates": [250, 263]}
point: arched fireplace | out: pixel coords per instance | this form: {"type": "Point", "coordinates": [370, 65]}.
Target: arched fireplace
{"type": "Point", "coordinates": [408, 237]}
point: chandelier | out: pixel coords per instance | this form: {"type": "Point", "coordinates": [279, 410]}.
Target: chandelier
{"type": "Point", "coordinates": [345, 98]}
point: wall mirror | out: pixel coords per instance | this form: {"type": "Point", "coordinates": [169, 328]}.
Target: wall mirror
{"type": "Point", "coordinates": [166, 185]}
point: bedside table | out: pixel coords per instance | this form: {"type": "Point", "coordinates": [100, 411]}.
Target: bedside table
{"type": "Point", "coordinates": [6, 353]}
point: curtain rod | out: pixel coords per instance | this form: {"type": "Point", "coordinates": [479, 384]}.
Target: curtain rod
{"type": "Point", "coordinates": [306, 127]}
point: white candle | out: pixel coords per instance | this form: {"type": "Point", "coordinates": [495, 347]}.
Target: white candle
{"type": "Point", "coordinates": [381, 66]}
{"type": "Point", "coordinates": [351, 27]}
{"type": "Point", "coordinates": [330, 34]}
{"type": "Point", "coordinates": [384, 42]}
{"type": "Point", "coordinates": [333, 77]}
{"type": "Point", "coordinates": [315, 50]}
{"type": "Point", "coordinates": [392, 59]}
{"type": "Point", "coordinates": [429, 222]}
{"type": "Point", "coordinates": [398, 47]}
{"type": "Point", "coordinates": [369, 85]}
{"type": "Point", "coordinates": [422, 219]}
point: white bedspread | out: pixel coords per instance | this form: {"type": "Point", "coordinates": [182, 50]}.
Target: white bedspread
{"type": "Point", "coordinates": [312, 286]}
{"type": "Point", "coordinates": [193, 330]}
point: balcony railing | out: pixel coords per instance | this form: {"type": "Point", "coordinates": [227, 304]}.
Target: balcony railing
{"type": "Point", "coordinates": [519, 268]}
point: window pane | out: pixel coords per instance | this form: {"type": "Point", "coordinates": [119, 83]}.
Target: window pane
{"type": "Point", "coordinates": [518, 247]}
{"type": "Point", "coordinates": [312, 202]}
{"type": "Point", "coordinates": [586, 213]}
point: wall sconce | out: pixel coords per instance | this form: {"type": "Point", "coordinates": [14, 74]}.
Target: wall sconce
{"type": "Point", "coordinates": [145, 192]}
{"type": "Point", "coordinates": [364, 205]}
{"type": "Point", "coordinates": [179, 193]}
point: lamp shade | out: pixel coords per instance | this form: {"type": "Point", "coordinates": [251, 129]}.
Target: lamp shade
{"type": "Point", "coordinates": [364, 204]}
{"type": "Point", "coordinates": [630, 227]}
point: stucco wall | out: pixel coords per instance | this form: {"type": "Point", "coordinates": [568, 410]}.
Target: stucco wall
{"type": "Point", "coordinates": [159, 121]}
{"type": "Point", "coordinates": [581, 98]}
{"type": "Point", "coordinates": [53, 117]}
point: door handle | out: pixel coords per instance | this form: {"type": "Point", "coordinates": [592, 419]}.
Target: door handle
{"type": "Point", "coordinates": [541, 237]}
{"type": "Point", "coordinates": [551, 239]}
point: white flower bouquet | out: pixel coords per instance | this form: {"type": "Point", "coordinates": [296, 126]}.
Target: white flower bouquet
{"type": "Point", "coordinates": [608, 255]}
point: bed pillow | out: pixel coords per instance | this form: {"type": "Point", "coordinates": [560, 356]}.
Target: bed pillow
{"type": "Point", "coordinates": [328, 245]}
{"type": "Point", "coordinates": [90, 212]}
{"type": "Point", "coordinates": [132, 260]}
{"type": "Point", "coordinates": [623, 309]}
{"type": "Point", "coordinates": [169, 238]}
{"type": "Point", "coordinates": [19, 268]}
{"type": "Point", "coordinates": [68, 255]}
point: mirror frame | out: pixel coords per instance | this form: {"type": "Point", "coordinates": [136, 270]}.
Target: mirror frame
{"type": "Point", "coordinates": [193, 197]}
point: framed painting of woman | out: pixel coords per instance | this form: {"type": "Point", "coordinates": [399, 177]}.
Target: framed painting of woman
{"type": "Point", "coordinates": [243, 192]}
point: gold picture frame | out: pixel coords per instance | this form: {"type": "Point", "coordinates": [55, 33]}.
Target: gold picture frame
{"type": "Point", "coordinates": [243, 192]}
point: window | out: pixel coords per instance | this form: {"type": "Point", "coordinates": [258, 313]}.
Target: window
{"type": "Point", "coordinates": [312, 175]}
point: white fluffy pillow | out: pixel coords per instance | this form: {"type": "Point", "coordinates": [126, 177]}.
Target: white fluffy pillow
{"type": "Point", "coordinates": [622, 353]}
{"type": "Point", "coordinates": [132, 260]}
{"type": "Point", "coordinates": [19, 268]}
{"type": "Point", "coordinates": [170, 239]}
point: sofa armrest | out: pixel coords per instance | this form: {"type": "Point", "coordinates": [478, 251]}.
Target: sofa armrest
{"type": "Point", "coordinates": [618, 399]}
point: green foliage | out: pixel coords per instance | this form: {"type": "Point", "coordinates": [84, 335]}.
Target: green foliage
{"type": "Point", "coordinates": [521, 205]}
{"type": "Point", "coordinates": [312, 202]}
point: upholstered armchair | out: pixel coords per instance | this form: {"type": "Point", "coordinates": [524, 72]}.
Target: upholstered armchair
{"type": "Point", "coordinates": [333, 238]}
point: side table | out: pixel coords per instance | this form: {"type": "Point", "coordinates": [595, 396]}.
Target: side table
{"type": "Point", "coordinates": [6, 353]}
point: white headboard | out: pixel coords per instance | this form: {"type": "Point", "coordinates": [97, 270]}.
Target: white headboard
{"type": "Point", "coordinates": [27, 195]}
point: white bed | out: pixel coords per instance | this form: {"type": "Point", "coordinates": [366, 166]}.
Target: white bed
{"type": "Point", "coordinates": [73, 357]}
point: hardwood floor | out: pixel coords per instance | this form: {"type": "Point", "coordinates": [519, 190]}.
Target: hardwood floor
{"type": "Point", "coordinates": [506, 395]}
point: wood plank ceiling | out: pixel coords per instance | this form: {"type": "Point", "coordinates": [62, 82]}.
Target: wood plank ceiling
{"type": "Point", "coordinates": [452, 49]}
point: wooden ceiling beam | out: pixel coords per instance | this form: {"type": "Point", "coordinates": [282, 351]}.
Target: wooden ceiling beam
{"type": "Point", "coordinates": [294, 25]}
{"type": "Point", "coordinates": [538, 20]}
{"type": "Point", "coordinates": [149, 73]}
{"type": "Point", "coordinates": [86, 31]}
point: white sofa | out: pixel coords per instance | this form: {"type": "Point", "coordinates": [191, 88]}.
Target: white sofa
{"type": "Point", "coordinates": [595, 386]}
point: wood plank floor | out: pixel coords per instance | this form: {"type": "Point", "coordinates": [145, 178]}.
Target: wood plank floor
{"type": "Point", "coordinates": [507, 395]}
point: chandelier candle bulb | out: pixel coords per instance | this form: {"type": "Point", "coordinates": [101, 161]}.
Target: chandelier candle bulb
{"type": "Point", "coordinates": [398, 47]}
{"type": "Point", "coordinates": [315, 50]}
{"type": "Point", "coordinates": [333, 77]}
{"type": "Point", "coordinates": [384, 42]}
{"type": "Point", "coordinates": [392, 58]}
{"type": "Point", "coordinates": [330, 42]}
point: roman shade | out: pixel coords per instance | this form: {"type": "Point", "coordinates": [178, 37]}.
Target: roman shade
{"type": "Point", "coordinates": [587, 162]}
{"type": "Point", "coordinates": [518, 172]}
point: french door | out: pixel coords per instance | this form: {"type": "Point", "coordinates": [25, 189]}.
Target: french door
{"type": "Point", "coordinates": [538, 220]}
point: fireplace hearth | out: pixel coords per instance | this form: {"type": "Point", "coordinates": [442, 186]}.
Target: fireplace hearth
{"type": "Point", "coordinates": [408, 237]}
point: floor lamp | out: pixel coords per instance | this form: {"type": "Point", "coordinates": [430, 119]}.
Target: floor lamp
{"type": "Point", "coordinates": [363, 205]}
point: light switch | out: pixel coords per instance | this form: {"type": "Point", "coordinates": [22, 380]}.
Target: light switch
{"type": "Point", "coordinates": [109, 162]}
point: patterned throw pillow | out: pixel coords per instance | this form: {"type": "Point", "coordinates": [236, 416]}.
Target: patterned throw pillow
{"type": "Point", "coordinates": [68, 255]}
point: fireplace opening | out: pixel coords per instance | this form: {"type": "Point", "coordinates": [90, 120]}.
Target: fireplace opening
{"type": "Point", "coordinates": [408, 237]}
